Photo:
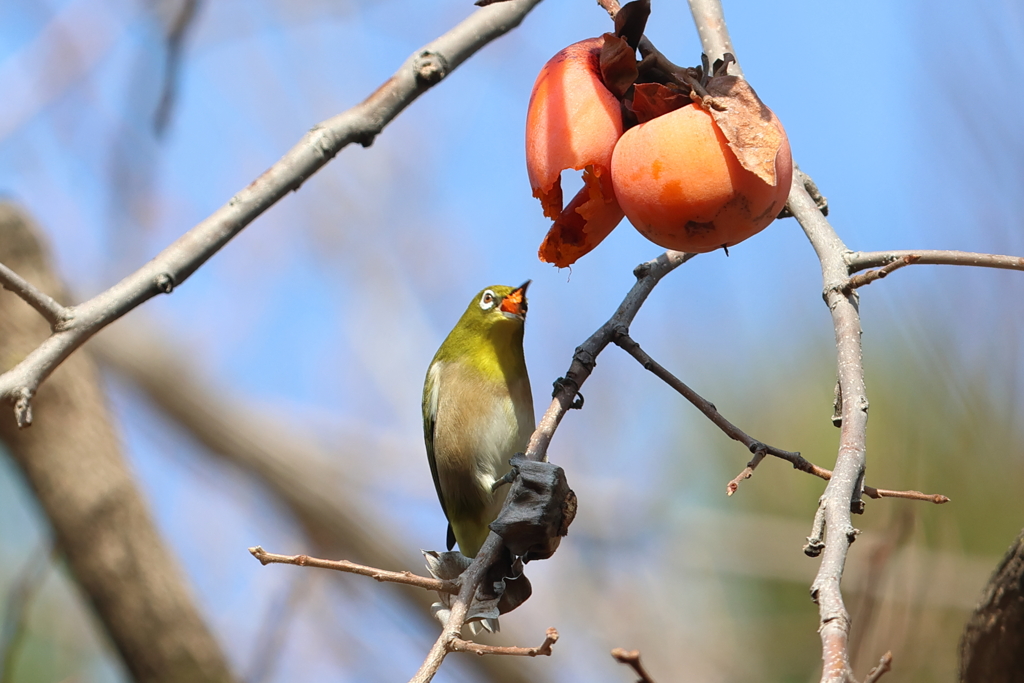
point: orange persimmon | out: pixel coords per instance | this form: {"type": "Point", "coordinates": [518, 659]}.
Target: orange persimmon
{"type": "Point", "coordinates": [682, 186]}
{"type": "Point", "coordinates": [573, 122]}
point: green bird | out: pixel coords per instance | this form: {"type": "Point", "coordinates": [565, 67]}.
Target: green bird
{"type": "Point", "coordinates": [478, 412]}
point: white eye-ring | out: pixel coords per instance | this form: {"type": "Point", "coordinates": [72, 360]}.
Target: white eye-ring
{"type": "Point", "coordinates": [487, 300]}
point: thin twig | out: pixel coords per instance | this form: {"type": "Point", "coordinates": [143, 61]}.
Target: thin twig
{"type": "Point", "coordinates": [859, 260]}
{"type": "Point", "coordinates": [884, 665]}
{"type": "Point", "coordinates": [176, 263]}
{"type": "Point", "coordinates": [759, 449]}
{"type": "Point", "coordinates": [460, 645]}
{"type": "Point", "coordinates": [872, 275]}
{"type": "Point", "coordinates": [53, 312]}
{"type": "Point", "coordinates": [632, 658]}
{"type": "Point", "coordinates": [383, 575]}
{"type": "Point", "coordinates": [747, 473]}
{"type": "Point", "coordinates": [630, 346]}
{"type": "Point", "coordinates": [648, 275]}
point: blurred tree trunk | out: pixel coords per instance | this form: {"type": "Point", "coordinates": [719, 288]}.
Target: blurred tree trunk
{"type": "Point", "coordinates": [72, 460]}
{"type": "Point", "coordinates": [992, 647]}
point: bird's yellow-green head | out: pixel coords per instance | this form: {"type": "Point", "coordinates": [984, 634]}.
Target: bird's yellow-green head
{"type": "Point", "coordinates": [492, 324]}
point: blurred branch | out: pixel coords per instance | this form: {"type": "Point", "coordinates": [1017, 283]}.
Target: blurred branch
{"type": "Point", "coordinates": [407, 578]}
{"type": "Point", "coordinates": [306, 477]}
{"type": "Point", "coordinates": [99, 519]}
{"type": "Point", "coordinates": [16, 606]}
{"type": "Point", "coordinates": [277, 622]}
{"type": "Point", "coordinates": [566, 389]}
{"type": "Point", "coordinates": [992, 646]}
{"type": "Point", "coordinates": [632, 659]}
{"type": "Point", "coordinates": [177, 21]}
{"type": "Point", "coordinates": [884, 666]}
{"type": "Point", "coordinates": [176, 263]}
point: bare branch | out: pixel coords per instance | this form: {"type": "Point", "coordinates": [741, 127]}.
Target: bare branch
{"type": "Point", "coordinates": [884, 665]}
{"type": "Point", "coordinates": [709, 18]}
{"type": "Point", "coordinates": [648, 275]}
{"type": "Point", "coordinates": [551, 637]}
{"type": "Point", "coordinates": [383, 575]}
{"type": "Point", "coordinates": [872, 275]}
{"type": "Point", "coordinates": [176, 263]}
{"type": "Point", "coordinates": [844, 486]}
{"type": "Point", "coordinates": [632, 658]}
{"type": "Point", "coordinates": [859, 260]}
{"type": "Point", "coordinates": [624, 341]}
{"type": "Point", "coordinates": [45, 305]}
{"type": "Point", "coordinates": [936, 498]}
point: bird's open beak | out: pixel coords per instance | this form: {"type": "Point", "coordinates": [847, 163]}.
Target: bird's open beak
{"type": "Point", "coordinates": [514, 302]}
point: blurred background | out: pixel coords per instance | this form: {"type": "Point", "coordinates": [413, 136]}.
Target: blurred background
{"type": "Point", "coordinates": [124, 123]}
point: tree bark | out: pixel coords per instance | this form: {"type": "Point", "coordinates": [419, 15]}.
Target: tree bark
{"type": "Point", "coordinates": [72, 460]}
{"type": "Point", "coordinates": [992, 647]}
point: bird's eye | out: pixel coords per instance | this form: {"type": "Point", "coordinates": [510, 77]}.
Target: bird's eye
{"type": "Point", "coordinates": [487, 300]}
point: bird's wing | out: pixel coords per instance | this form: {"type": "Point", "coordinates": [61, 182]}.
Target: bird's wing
{"type": "Point", "coordinates": [431, 389]}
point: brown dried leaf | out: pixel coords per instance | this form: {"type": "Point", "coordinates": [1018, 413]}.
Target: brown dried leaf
{"type": "Point", "coordinates": [753, 132]}
{"type": "Point", "coordinates": [618, 65]}
{"type": "Point", "coordinates": [631, 20]}
{"type": "Point", "coordinates": [651, 100]}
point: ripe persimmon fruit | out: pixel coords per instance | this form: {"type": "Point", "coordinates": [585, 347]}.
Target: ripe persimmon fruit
{"type": "Point", "coordinates": [573, 122]}
{"type": "Point", "coordinates": [691, 156]}
{"type": "Point", "coordinates": [682, 186]}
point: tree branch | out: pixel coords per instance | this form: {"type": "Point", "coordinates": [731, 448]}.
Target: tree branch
{"type": "Point", "coordinates": [759, 449]}
{"type": "Point", "coordinates": [550, 638]}
{"type": "Point", "coordinates": [45, 305]}
{"type": "Point", "coordinates": [176, 263]}
{"type": "Point", "coordinates": [709, 17]}
{"type": "Point", "coordinates": [884, 665]}
{"type": "Point", "coordinates": [859, 260]}
{"type": "Point", "coordinates": [843, 489]}
{"type": "Point", "coordinates": [872, 275]}
{"type": "Point", "coordinates": [632, 659]}
{"type": "Point", "coordinates": [383, 575]}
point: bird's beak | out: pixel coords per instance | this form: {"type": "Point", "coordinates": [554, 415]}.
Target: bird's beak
{"type": "Point", "coordinates": [514, 302]}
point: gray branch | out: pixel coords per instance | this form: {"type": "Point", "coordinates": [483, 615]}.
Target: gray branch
{"type": "Point", "coordinates": [859, 260]}
{"type": "Point", "coordinates": [53, 312]}
{"type": "Point", "coordinates": [843, 489]}
{"type": "Point", "coordinates": [176, 263]}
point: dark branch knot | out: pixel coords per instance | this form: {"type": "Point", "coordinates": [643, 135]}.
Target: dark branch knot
{"type": "Point", "coordinates": [430, 67]}
{"type": "Point", "coordinates": [814, 547]}
{"type": "Point", "coordinates": [23, 408]}
{"type": "Point", "coordinates": [165, 283]}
